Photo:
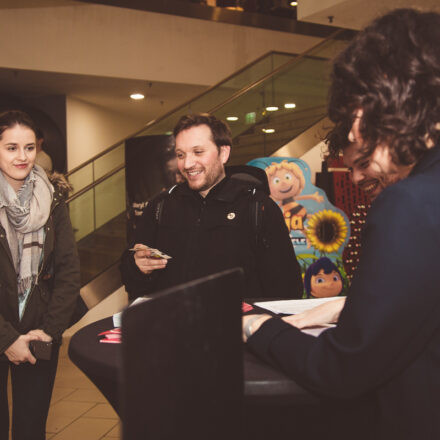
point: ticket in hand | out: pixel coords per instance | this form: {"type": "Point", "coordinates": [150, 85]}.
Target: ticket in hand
{"type": "Point", "coordinates": [155, 253]}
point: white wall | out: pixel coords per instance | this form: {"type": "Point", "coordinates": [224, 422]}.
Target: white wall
{"type": "Point", "coordinates": [91, 129]}
{"type": "Point", "coordinates": [122, 43]}
{"type": "Point", "coordinates": [110, 41]}
{"type": "Point", "coordinates": [314, 158]}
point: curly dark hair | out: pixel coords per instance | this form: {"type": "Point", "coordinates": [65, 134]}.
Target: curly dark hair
{"type": "Point", "coordinates": [391, 71]}
{"type": "Point", "coordinates": [221, 133]}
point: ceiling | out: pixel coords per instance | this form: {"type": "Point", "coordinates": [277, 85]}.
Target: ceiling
{"type": "Point", "coordinates": [355, 14]}
{"type": "Point", "coordinates": [14, 4]}
{"type": "Point", "coordinates": [109, 93]}
{"type": "Point", "coordinates": [113, 93]}
{"type": "Point", "coordinates": [106, 92]}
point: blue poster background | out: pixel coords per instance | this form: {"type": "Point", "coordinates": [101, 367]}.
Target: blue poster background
{"type": "Point", "coordinates": [317, 228]}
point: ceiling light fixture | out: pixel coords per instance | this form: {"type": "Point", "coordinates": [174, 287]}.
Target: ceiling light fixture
{"type": "Point", "coordinates": [293, 3]}
{"type": "Point", "coordinates": [271, 108]}
{"type": "Point", "coordinates": [268, 130]}
{"type": "Point", "coordinates": [289, 105]}
{"type": "Point", "coordinates": [232, 118]}
{"type": "Point", "coordinates": [137, 96]}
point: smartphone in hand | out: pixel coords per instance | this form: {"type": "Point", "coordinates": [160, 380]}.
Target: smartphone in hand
{"type": "Point", "coordinates": [41, 350]}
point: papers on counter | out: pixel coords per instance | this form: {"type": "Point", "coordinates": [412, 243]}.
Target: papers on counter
{"type": "Point", "coordinates": [118, 316]}
{"type": "Point", "coordinates": [112, 336]}
{"type": "Point", "coordinates": [316, 331]}
{"type": "Point", "coordinates": [293, 306]}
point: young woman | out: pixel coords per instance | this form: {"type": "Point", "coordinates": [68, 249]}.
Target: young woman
{"type": "Point", "coordinates": [39, 277]}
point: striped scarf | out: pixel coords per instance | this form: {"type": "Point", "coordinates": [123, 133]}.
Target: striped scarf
{"type": "Point", "coordinates": [23, 215]}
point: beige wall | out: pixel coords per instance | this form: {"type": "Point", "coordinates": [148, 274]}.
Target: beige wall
{"type": "Point", "coordinates": [91, 129]}
{"type": "Point", "coordinates": [109, 41]}
{"type": "Point", "coordinates": [116, 42]}
{"type": "Point", "coordinates": [314, 158]}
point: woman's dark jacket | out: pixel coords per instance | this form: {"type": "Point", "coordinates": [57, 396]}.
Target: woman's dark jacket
{"type": "Point", "coordinates": [52, 300]}
{"type": "Point", "coordinates": [385, 350]}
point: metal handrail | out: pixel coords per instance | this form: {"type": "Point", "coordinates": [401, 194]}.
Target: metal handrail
{"type": "Point", "coordinates": [236, 95]}
{"type": "Point", "coordinates": [96, 182]}
{"type": "Point", "coordinates": [175, 109]}
{"type": "Point", "coordinates": [278, 70]}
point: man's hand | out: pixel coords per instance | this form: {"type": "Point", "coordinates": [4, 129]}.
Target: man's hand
{"type": "Point", "coordinates": [326, 313]}
{"type": "Point", "coordinates": [40, 335]}
{"type": "Point", "coordinates": [18, 352]}
{"type": "Point", "coordinates": [143, 261]}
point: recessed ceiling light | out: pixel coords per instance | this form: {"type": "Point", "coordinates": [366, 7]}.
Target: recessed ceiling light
{"type": "Point", "coordinates": [272, 108]}
{"type": "Point", "coordinates": [137, 96]}
{"type": "Point", "coordinates": [232, 118]}
{"type": "Point", "coordinates": [293, 3]}
{"type": "Point", "coordinates": [268, 130]}
{"type": "Point", "coordinates": [289, 105]}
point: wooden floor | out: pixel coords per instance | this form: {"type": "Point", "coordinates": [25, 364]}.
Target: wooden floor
{"type": "Point", "coordinates": [78, 410]}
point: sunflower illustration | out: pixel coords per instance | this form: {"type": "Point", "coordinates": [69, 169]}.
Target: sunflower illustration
{"type": "Point", "coordinates": [326, 231]}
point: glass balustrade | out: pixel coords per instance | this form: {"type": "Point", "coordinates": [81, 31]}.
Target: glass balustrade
{"type": "Point", "coordinates": [99, 222]}
{"type": "Point", "coordinates": [105, 163]}
{"type": "Point", "coordinates": [266, 105]}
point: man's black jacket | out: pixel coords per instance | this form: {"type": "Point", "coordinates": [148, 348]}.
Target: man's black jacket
{"type": "Point", "coordinates": [207, 235]}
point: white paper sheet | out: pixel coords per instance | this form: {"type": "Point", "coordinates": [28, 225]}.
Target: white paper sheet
{"type": "Point", "coordinates": [117, 317]}
{"type": "Point", "coordinates": [293, 306]}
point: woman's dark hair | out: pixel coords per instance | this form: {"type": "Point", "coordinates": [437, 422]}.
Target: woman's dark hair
{"type": "Point", "coordinates": [392, 72]}
{"type": "Point", "coordinates": [323, 263]}
{"type": "Point", "coordinates": [11, 118]}
{"type": "Point", "coordinates": [221, 134]}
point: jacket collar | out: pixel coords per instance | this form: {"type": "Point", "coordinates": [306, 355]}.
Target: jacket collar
{"type": "Point", "coordinates": [227, 190]}
{"type": "Point", "coordinates": [430, 158]}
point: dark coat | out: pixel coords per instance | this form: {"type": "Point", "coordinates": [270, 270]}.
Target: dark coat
{"type": "Point", "coordinates": [207, 235]}
{"type": "Point", "coordinates": [53, 298]}
{"type": "Point", "coordinates": [385, 349]}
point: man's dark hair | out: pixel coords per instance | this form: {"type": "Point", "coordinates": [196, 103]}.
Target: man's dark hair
{"type": "Point", "coordinates": [221, 133]}
{"type": "Point", "coordinates": [11, 118]}
{"type": "Point", "coordinates": [391, 71]}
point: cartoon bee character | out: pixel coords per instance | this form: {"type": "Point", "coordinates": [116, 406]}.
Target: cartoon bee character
{"type": "Point", "coordinates": [286, 182]}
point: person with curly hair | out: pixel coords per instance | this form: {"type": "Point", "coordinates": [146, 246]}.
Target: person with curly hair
{"type": "Point", "coordinates": [381, 363]}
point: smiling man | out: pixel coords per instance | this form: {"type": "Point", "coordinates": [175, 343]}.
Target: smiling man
{"type": "Point", "coordinates": [207, 223]}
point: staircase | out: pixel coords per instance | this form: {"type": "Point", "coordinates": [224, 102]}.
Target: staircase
{"type": "Point", "coordinates": [98, 205]}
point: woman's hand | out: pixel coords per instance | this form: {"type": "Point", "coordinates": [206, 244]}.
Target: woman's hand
{"type": "Point", "coordinates": [18, 352]}
{"type": "Point", "coordinates": [326, 313]}
{"type": "Point", "coordinates": [40, 335]}
{"type": "Point", "coordinates": [251, 323]}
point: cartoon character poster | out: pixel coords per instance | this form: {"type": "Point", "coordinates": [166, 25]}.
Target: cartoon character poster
{"type": "Point", "coordinates": [319, 231]}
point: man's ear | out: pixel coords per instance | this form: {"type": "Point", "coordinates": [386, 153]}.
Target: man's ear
{"type": "Point", "coordinates": [225, 151]}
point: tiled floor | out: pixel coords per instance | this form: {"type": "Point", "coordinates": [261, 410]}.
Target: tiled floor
{"type": "Point", "coordinates": [78, 410]}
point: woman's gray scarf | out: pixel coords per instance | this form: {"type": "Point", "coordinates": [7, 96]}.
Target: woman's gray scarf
{"type": "Point", "coordinates": [23, 215]}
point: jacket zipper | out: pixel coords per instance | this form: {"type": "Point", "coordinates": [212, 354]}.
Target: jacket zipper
{"type": "Point", "coordinates": [195, 236]}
